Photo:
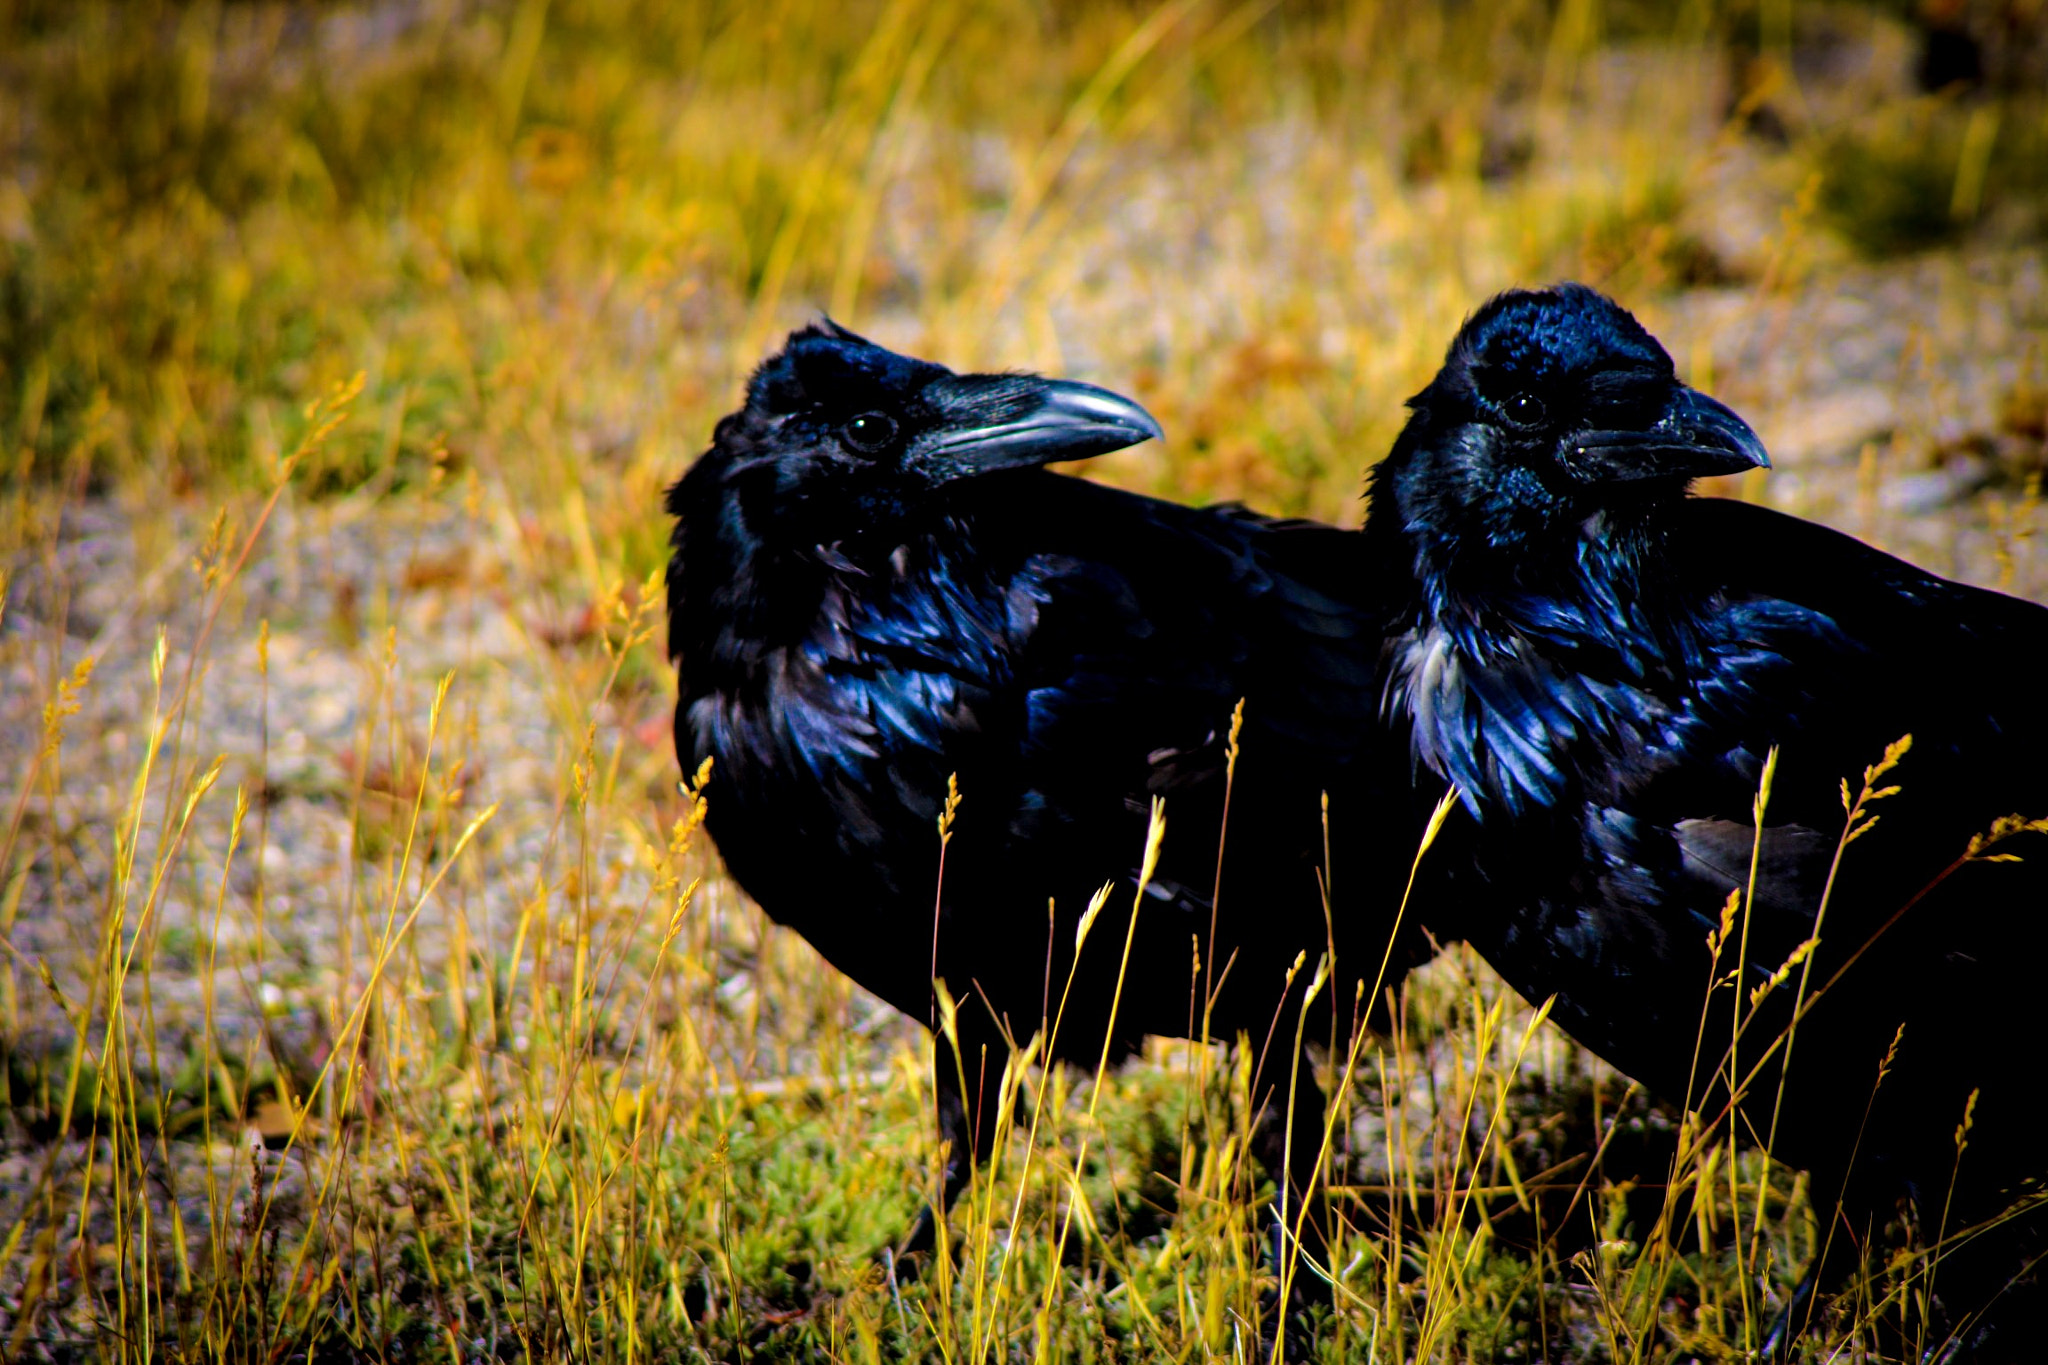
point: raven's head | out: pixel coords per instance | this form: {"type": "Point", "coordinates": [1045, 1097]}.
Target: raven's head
{"type": "Point", "coordinates": [1554, 416]}
{"type": "Point", "coordinates": [841, 440]}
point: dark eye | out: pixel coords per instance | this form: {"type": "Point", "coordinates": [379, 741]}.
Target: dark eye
{"type": "Point", "coordinates": [1525, 409]}
{"type": "Point", "coordinates": [869, 432]}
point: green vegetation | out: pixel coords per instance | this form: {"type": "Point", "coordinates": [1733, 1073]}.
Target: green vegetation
{"type": "Point", "coordinates": [368, 989]}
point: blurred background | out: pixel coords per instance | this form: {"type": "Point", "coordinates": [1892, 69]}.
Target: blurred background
{"type": "Point", "coordinates": [346, 349]}
{"type": "Point", "coordinates": [574, 225]}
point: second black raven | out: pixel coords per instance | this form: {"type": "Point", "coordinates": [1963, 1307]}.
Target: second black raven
{"type": "Point", "coordinates": [1604, 666]}
{"type": "Point", "coordinates": [876, 588]}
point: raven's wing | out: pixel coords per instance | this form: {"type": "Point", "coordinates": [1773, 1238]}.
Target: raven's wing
{"type": "Point", "coordinates": [1828, 651]}
{"type": "Point", "coordinates": [1148, 622]}
{"type": "Point", "coordinates": [1949, 948]}
{"type": "Point", "coordinates": [1872, 648]}
{"type": "Point", "coordinates": [1139, 627]}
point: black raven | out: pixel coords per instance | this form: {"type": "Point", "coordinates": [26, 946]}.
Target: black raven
{"type": "Point", "coordinates": [1604, 667]}
{"type": "Point", "coordinates": [876, 588]}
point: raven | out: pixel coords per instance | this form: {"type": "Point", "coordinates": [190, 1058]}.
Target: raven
{"type": "Point", "coordinates": [1649, 701]}
{"type": "Point", "coordinates": [876, 589]}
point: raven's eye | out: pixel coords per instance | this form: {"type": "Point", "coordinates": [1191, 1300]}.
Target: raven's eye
{"type": "Point", "coordinates": [1525, 409]}
{"type": "Point", "coordinates": [870, 431]}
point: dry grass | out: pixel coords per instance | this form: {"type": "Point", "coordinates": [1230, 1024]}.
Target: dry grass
{"type": "Point", "coordinates": [368, 990]}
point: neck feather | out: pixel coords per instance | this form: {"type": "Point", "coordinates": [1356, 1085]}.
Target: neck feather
{"type": "Point", "coordinates": [1511, 662]}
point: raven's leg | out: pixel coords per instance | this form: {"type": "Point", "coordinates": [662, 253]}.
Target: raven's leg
{"type": "Point", "coordinates": [967, 1088]}
{"type": "Point", "coordinates": [1781, 1342]}
{"type": "Point", "coordinates": [1846, 1223]}
{"type": "Point", "coordinates": [1994, 1292]}
{"type": "Point", "coordinates": [1289, 1150]}
{"type": "Point", "coordinates": [1992, 1306]}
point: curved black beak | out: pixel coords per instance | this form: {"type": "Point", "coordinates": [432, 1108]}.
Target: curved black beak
{"type": "Point", "coordinates": [997, 422]}
{"type": "Point", "coordinates": [1694, 437]}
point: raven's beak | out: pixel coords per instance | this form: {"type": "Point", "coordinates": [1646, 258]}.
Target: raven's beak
{"type": "Point", "coordinates": [1694, 437]}
{"type": "Point", "coordinates": [1015, 421]}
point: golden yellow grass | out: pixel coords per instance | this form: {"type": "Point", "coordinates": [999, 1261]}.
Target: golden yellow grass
{"type": "Point", "coordinates": [355, 346]}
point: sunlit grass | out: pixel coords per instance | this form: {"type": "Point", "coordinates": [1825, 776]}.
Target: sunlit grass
{"type": "Point", "coordinates": [369, 989]}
